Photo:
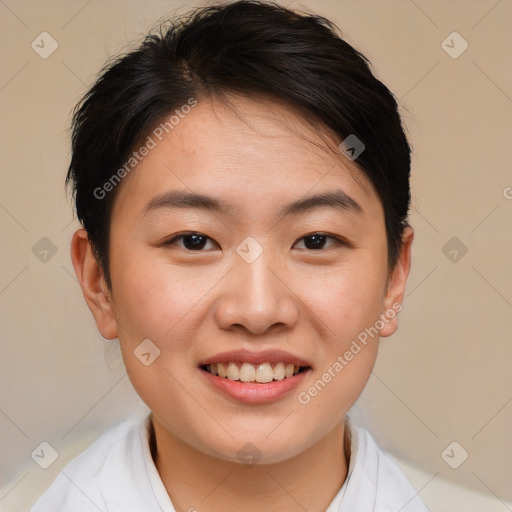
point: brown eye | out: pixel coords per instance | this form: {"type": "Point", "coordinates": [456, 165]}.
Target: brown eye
{"type": "Point", "coordinates": [317, 241]}
{"type": "Point", "coordinates": [191, 241]}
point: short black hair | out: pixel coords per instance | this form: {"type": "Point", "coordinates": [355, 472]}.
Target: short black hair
{"type": "Point", "coordinates": [252, 48]}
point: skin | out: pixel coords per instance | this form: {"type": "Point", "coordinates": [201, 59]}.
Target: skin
{"type": "Point", "coordinates": [193, 304]}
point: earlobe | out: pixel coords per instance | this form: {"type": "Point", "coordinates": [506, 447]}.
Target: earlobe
{"type": "Point", "coordinates": [396, 285]}
{"type": "Point", "coordinates": [94, 288]}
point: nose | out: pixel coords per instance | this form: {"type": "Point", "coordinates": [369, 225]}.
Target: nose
{"type": "Point", "coordinates": [256, 297]}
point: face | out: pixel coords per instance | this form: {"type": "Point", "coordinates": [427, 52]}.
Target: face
{"type": "Point", "coordinates": [249, 279]}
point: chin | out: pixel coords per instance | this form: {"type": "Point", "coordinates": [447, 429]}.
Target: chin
{"type": "Point", "coordinates": [249, 449]}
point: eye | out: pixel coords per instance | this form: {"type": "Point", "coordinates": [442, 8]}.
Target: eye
{"type": "Point", "coordinates": [316, 241]}
{"type": "Point", "coordinates": [192, 241]}
{"type": "Point", "coordinates": [195, 241]}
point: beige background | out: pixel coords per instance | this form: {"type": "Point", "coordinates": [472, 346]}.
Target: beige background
{"type": "Point", "coordinates": [443, 377]}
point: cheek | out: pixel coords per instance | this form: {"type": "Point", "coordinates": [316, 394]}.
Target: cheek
{"type": "Point", "coordinates": [156, 302]}
{"type": "Point", "coordinates": [153, 298]}
{"type": "Point", "coordinates": [164, 304]}
{"type": "Point", "coordinates": [348, 304]}
{"type": "Point", "coordinates": [348, 299]}
{"type": "Point", "coordinates": [338, 385]}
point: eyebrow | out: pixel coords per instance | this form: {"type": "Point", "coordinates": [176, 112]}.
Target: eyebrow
{"type": "Point", "coordinates": [182, 199]}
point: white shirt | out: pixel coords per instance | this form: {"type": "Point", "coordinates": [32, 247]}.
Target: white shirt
{"type": "Point", "coordinates": [116, 473]}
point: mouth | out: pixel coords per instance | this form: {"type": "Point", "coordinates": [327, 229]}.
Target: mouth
{"type": "Point", "coordinates": [261, 373]}
{"type": "Point", "coordinates": [254, 377]}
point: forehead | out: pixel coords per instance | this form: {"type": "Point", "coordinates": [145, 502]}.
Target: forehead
{"type": "Point", "coordinates": [244, 150]}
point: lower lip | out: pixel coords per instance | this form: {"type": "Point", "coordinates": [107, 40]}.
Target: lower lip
{"type": "Point", "coordinates": [255, 392]}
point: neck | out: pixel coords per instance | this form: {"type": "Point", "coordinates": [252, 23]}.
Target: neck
{"type": "Point", "coordinates": [194, 480]}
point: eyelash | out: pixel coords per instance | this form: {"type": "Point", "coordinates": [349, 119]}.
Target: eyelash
{"type": "Point", "coordinates": [171, 241]}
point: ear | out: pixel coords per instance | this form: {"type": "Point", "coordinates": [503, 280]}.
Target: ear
{"type": "Point", "coordinates": [396, 285]}
{"type": "Point", "coordinates": [95, 289]}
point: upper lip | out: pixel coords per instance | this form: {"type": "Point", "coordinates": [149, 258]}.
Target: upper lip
{"type": "Point", "coordinates": [247, 356]}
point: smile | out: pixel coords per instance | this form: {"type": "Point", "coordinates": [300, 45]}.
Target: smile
{"type": "Point", "coordinates": [247, 372]}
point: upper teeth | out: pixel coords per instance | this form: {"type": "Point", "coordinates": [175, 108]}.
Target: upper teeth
{"type": "Point", "coordinates": [247, 372]}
